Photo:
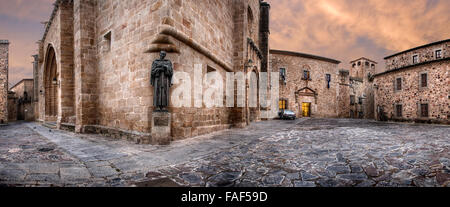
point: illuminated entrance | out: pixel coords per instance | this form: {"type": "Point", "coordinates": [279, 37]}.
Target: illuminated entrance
{"type": "Point", "coordinates": [306, 109]}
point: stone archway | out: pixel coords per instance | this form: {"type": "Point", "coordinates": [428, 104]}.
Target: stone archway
{"type": "Point", "coordinates": [51, 86]}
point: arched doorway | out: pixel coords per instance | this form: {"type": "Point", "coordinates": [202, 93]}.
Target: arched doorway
{"type": "Point", "coordinates": [51, 86]}
{"type": "Point", "coordinates": [253, 95]}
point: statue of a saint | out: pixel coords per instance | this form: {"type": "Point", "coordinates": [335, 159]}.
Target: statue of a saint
{"type": "Point", "coordinates": [161, 80]}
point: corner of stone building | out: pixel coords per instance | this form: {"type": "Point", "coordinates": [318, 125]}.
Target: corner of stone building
{"type": "Point", "coordinates": [4, 67]}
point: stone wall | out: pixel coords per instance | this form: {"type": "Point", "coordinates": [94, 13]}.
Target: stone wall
{"type": "Point", "coordinates": [436, 94]}
{"type": "Point", "coordinates": [111, 45]}
{"type": "Point", "coordinates": [426, 53]}
{"type": "Point", "coordinates": [400, 66]}
{"type": "Point", "coordinates": [59, 37]}
{"type": "Point", "coordinates": [361, 88]}
{"type": "Point", "coordinates": [22, 99]}
{"type": "Point", "coordinates": [324, 100]}
{"type": "Point", "coordinates": [4, 55]}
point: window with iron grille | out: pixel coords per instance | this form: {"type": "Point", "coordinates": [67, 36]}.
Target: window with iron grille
{"type": "Point", "coordinates": [398, 84]}
{"type": "Point", "coordinates": [306, 75]}
{"type": "Point", "coordinates": [423, 80]}
{"type": "Point", "coordinates": [328, 79]}
{"type": "Point", "coordinates": [438, 54]}
{"type": "Point", "coordinates": [399, 110]}
{"type": "Point", "coordinates": [424, 110]}
{"type": "Point", "coordinates": [283, 75]}
{"type": "Point", "coordinates": [415, 59]}
{"type": "Point", "coordinates": [352, 100]}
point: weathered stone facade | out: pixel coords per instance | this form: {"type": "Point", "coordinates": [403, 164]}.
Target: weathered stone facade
{"type": "Point", "coordinates": [315, 91]}
{"type": "Point", "coordinates": [95, 59]}
{"type": "Point", "coordinates": [4, 55]}
{"type": "Point", "coordinates": [361, 88]}
{"type": "Point", "coordinates": [20, 101]}
{"type": "Point", "coordinates": [416, 88]}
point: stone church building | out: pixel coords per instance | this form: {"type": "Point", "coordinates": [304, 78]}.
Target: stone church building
{"type": "Point", "coordinates": [93, 70]}
{"type": "Point", "coordinates": [95, 59]}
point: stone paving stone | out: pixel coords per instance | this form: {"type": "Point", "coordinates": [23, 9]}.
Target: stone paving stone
{"type": "Point", "coordinates": [192, 178]}
{"type": "Point", "coordinates": [103, 171]}
{"type": "Point", "coordinates": [273, 180]}
{"type": "Point", "coordinates": [352, 177]}
{"type": "Point", "coordinates": [12, 174]}
{"type": "Point", "coordinates": [263, 154]}
{"type": "Point", "coordinates": [338, 169]}
{"type": "Point", "coordinates": [42, 168]}
{"type": "Point", "coordinates": [293, 176]}
{"type": "Point", "coordinates": [308, 176]}
{"type": "Point", "coordinates": [304, 184]}
{"type": "Point", "coordinates": [44, 178]}
{"type": "Point", "coordinates": [74, 174]}
{"type": "Point", "coordinates": [223, 179]}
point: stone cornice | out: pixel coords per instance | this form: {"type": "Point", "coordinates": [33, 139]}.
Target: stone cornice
{"type": "Point", "coordinates": [411, 66]}
{"type": "Point", "coordinates": [416, 48]}
{"type": "Point", "coordinates": [298, 54]}
{"type": "Point", "coordinates": [171, 31]}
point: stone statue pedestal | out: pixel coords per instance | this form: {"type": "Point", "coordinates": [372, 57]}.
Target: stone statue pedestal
{"type": "Point", "coordinates": [161, 122]}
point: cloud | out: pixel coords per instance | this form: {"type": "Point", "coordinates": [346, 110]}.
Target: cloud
{"type": "Point", "coordinates": [20, 24]}
{"type": "Point", "coordinates": [348, 29]}
{"type": "Point", "coordinates": [28, 10]}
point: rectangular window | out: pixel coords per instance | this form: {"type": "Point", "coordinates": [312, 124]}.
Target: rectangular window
{"type": "Point", "coordinates": [399, 110]}
{"type": "Point", "coordinates": [306, 75]}
{"type": "Point", "coordinates": [415, 59]}
{"type": "Point", "coordinates": [360, 100]}
{"type": "Point", "coordinates": [423, 80]}
{"type": "Point", "coordinates": [438, 54]}
{"type": "Point", "coordinates": [328, 78]}
{"type": "Point", "coordinates": [283, 75]}
{"type": "Point", "coordinates": [424, 110]}
{"type": "Point", "coordinates": [282, 104]}
{"type": "Point", "coordinates": [398, 84]}
{"type": "Point", "coordinates": [352, 100]}
{"type": "Point", "coordinates": [108, 40]}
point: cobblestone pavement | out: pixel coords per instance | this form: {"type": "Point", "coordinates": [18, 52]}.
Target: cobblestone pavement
{"type": "Point", "coordinates": [301, 153]}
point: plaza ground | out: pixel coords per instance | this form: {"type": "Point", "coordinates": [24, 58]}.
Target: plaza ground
{"type": "Point", "coordinates": [300, 153]}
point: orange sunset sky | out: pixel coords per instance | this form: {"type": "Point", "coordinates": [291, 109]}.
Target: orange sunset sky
{"type": "Point", "coordinates": [338, 29]}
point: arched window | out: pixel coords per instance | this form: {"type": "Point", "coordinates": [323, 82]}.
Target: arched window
{"type": "Point", "coordinates": [250, 20]}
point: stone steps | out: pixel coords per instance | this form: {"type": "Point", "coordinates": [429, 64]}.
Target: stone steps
{"type": "Point", "coordinates": [50, 125]}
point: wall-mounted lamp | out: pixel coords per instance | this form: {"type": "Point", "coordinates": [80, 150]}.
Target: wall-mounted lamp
{"type": "Point", "coordinates": [55, 81]}
{"type": "Point", "coordinates": [249, 64]}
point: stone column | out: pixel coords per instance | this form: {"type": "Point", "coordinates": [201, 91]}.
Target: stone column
{"type": "Point", "coordinates": [35, 98]}
{"type": "Point", "coordinates": [66, 75]}
{"type": "Point", "coordinates": [240, 45]}
{"type": "Point", "coordinates": [4, 51]}
{"type": "Point", "coordinates": [86, 96]}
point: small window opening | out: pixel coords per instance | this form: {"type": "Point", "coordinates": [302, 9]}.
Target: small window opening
{"type": "Point", "coordinates": [107, 38]}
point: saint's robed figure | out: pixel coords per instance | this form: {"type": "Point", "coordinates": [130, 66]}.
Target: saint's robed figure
{"type": "Point", "coordinates": [161, 80]}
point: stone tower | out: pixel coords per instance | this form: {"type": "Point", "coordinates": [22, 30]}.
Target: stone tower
{"type": "Point", "coordinates": [4, 50]}
{"type": "Point", "coordinates": [362, 91]}
{"type": "Point", "coordinates": [362, 67]}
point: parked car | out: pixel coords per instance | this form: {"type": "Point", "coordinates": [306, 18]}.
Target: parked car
{"type": "Point", "coordinates": [287, 114]}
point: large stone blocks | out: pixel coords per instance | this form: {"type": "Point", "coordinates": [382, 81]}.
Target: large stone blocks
{"type": "Point", "coordinates": [4, 53]}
